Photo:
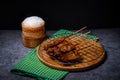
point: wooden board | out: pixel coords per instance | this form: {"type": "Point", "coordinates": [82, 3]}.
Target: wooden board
{"type": "Point", "coordinates": [76, 67]}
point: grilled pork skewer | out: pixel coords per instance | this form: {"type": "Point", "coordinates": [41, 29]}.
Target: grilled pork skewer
{"type": "Point", "coordinates": [63, 48]}
{"type": "Point", "coordinates": [52, 42]}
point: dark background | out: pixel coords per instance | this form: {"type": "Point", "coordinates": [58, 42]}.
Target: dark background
{"type": "Point", "coordinates": [69, 14]}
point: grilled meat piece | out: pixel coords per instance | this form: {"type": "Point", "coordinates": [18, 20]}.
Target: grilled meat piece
{"type": "Point", "coordinates": [54, 51]}
{"type": "Point", "coordinates": [62, 44]}
{"type": "Point", "coordinates": [64, 51]}
{"type": "Point", "coordinates": [52, 42]}
{"type": "Point", "coordinates": [71, 57]}
{"type": "Point", "coordinates": [65, 46]}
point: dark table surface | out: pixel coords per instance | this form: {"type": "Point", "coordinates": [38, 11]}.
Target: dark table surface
{"type": "Point", "coordinates": [12, 51]}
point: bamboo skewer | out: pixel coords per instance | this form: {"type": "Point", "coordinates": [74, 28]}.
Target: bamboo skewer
{"type": "Point", "coordinates": [87, 33]}
{"type": "Point", "coordinates": [79, 30]}
{"type": "Point", "coordinates": [74, 33]}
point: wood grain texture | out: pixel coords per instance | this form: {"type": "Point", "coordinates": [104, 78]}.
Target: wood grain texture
{"type": "Point", "coordinates": [89, 61]}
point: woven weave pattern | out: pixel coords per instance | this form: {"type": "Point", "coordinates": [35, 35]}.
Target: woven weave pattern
{"type": "Point", "coordinates": [88, 49]}
{"type": "Point", "coordinates": [31, 66]}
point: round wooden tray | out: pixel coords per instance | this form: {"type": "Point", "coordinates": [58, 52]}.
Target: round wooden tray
{"type": "Point", "coordinates": [76, 67]}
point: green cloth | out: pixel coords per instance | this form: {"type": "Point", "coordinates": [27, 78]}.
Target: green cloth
{"type": "Point", "coordinates": [31, 66]}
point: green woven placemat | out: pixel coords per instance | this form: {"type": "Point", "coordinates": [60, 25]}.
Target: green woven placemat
{"type": "Point", "coordinates": [31, 66]}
